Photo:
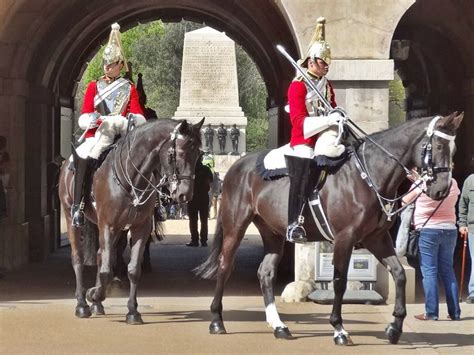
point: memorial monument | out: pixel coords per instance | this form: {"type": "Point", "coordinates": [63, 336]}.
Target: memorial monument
{"type": "Point", "coordinates": [209, 89]}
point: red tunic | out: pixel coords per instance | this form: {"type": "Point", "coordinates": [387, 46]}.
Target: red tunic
{"type": "Point", "coordinates": [298, 111]}
{"type": "Point", "coordinates": [133, 105]}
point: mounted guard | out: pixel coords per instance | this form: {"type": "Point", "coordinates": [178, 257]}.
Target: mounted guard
{"type": "Point", "coordinates": [110, 107]}
{"type": "Point", "coordinates": [316, 128]}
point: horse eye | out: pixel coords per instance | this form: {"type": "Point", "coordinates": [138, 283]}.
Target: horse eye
{"type": "Point", "coordinates": [439, 146]}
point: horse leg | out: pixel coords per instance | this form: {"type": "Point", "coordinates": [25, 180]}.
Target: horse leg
{"type": "Point", "coordinates": [139, 236]}
{"type": "Point", "coordinates": [97, 307]}
{"type": "Point", "coordinates": [341, 259]}
{"type": "Point", "coordinates": [382, 248]}
{"type": "Point", "coordinates": [146, 264]}
{"type": "Point", "coordinates": [105, 257]}
{"type": "Point", "coordinates": [226, 260]}
{"type": "Point", "coordinates": [120, 267]}
{"type": "Point", "coordinates": [77, 260]}
{"type": "Point", "coordinates": [273, 245]}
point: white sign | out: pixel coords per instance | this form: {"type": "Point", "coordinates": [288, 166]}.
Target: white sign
{"type": "Point", "coordinates": [362, 267]}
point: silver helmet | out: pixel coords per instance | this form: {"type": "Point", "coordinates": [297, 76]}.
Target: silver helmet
{"type": "Point", "coordinates": [318, 47]}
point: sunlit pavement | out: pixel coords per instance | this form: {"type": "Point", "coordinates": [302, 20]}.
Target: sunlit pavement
{"type": "Point", "coordinates": [37, 313]}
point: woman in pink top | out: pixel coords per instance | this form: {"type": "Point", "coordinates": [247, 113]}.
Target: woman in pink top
{"type": "Point", "coordinates": [437, 242]}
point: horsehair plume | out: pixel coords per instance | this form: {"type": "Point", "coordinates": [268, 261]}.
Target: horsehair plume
{"type": "Point", "coordinates": [208, 269]}
{"type": "Point", "coordinates": [116, 26]}
{"type": "Point", "coordinates": [319, 33]}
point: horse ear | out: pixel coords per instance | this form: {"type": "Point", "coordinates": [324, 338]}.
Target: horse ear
{"type": "Point", "coordinates": [457, 120]}
{"type": "Point", "coordinates": [453, 120]}
{"type": "Point", "coordinates": [198, 125]}
{"type": "Point", "coordinates": [183, 127]}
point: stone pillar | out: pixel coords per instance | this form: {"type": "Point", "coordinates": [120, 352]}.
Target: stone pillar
{"type": "Point", "coordinates": [361, 88]}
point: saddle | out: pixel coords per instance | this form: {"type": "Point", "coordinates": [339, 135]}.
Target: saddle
{"type": "Point", "coordinates": [271, 165]}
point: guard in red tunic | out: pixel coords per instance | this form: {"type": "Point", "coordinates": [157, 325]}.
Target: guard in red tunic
{"type": "Point", "coordinates": [312, 133]}
{"type": "Point", "coordinates": [109, 104]}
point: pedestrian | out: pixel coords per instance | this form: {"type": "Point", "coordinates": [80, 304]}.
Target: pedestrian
{"type": "Point", "coordinates": [108, 105]}
{"type": "Point", "coordinates": [308, 117]}
{"type": "Point", "coordinates": [436, 221]}
{"type": "Point", "coordinates": [466, 226]}
{"type": "Point", "coordinates": [198, 207]}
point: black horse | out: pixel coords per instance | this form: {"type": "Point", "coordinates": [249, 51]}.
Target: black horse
{"type": "Point", "coordinates": [353, 211]}
{"type": "Point", "coordinates": [124, 189]}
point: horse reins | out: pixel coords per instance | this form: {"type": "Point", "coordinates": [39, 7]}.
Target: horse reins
{"type": "Point", "coordinates": [428, 171]}
{"type": "Point", "coordinates": [139, 196]}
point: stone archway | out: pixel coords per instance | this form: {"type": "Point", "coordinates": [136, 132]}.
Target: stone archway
{"type": "Point", "coordinates": [438, 69]}
{"type": "Point", "coordinates": [45, 46]}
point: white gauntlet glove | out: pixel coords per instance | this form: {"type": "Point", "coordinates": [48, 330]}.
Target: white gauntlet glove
{"type": "Point", "coordinates": [88, 120]}
{"type": "Point", "coordinates": [335, 117]}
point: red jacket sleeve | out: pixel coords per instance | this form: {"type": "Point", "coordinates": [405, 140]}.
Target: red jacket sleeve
{"type": "Point", "coordinates": [88, 104]}
{"type": "Point", "coordinates": [298, 112]}
{"type": "Point", "coordinates": [133, 104]}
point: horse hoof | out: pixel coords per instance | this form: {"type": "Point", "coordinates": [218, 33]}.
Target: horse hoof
{"type": "Point", "coordinates": [393, 334]}
{"type": "Point", "coordinates": [90, 294]}
{"type": "Point", "coordinates": [83, 312]}
{"type": "Point", "coordinates": [282, 333]}
{"type": "Point", "coordinates": [97, 309]}
{"type": "Point", "coordinates": [217, 327]}
{"type": "Point", "coordinates": [342, 339]}
{"type": "Point", "coordinates": [134, 318]}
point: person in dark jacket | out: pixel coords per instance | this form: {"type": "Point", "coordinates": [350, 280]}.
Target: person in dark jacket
{"type": "Point", "coordinates": [199, 205]}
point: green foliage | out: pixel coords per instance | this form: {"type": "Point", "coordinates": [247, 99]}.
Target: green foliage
{"type": "Point", "coordinates": [253, 99]}
{"type": "Point", "coordinates": [156, 50]}
{"type": "Point", "coordinates": [396, 106]}
{"type": "Point", "coordinates": [257, 134]}
{"type": "Point", "coordinates": [160, 59]}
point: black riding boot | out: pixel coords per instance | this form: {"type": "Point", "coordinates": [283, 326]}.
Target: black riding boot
{"type": "Point", "coordinates": [302, 173]}
{"type": "Point", "coordinates": [82, 186]}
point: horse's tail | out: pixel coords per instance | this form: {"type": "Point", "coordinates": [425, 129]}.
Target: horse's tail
{"type": "Point", "coordinates": [208, 269]}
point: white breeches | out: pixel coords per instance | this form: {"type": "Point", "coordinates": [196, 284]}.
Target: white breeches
{"type": "Point", "coordinates": [110, 127]}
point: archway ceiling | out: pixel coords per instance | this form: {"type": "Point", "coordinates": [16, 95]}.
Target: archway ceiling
{"type": "Point", "coordinates": [454, 19]}
{"type": "Point", "coordinates": [62, 35]}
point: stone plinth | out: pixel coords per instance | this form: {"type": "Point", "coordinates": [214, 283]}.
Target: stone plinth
{"type": "Point", "coordinates": [224, 162]}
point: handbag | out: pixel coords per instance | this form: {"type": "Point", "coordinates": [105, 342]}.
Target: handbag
{"type": "Point", "coordinates": [413, 249]}
{"type": "Point", "coordinates": [412, 246]}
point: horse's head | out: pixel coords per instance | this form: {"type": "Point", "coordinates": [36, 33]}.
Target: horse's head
{"type": "Point", "coordinates": [182, 156]}
{"type": "Point", "coordinates": [436, 157]}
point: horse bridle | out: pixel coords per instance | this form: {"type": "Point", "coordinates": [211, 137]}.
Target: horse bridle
{"type": "Point", "coordinates": [428, 170]}
{"type": "Point", "coordinates": [174, 176]}
{"type": "Point", "coordinates": [141, 196]}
